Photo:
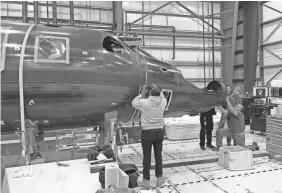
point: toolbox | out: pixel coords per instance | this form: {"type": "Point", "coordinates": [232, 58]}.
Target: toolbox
{"type": "Point", "coordinates": [274, 136]}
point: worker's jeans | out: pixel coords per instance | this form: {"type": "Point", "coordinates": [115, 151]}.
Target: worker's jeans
{"type": "Point", "coordinates": [222, 121]}
{"type": "Point", "coordinates": [149, 138]}
{"type": "Point", "coordinates": [239, 138]}
{"type": "Point", "coordinates": [206, 130]}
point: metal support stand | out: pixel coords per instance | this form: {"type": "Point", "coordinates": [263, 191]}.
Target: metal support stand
{"type": "Point", "coordinates": [110, 131]}
{"type": "Point", "coordinates": [79, 139]}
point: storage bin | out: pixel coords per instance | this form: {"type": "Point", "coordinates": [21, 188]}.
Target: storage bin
{"type": "Point", "coordinates": [236, 158]}
{"type": "Point", "coordinates": [178, 131]}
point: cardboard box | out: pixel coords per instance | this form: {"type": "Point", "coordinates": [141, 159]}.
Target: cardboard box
{"type": "Point", "coordinates": [236, 158]}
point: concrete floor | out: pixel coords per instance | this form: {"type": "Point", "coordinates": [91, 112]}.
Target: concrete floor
{"type": "Point", "coordinates": [187, 167]}
{"type": "Point", "coordinates": [213, 178]}
{"type": "Point", "coordinates": [185, 151]}
{"type": "Point", "coordinates": [200, 178]}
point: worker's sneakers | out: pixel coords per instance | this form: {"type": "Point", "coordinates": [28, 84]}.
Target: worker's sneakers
{"type": "Point", "coordinates": [146, 184]}
{"type": "Point", "coordinates": [203, 148]}
{"type": "Point", "coordinates": [216, 149]}
{"type": "Point", "coordinates": [255, 145]}
{"type": "Point", "coordinates": [160, 181]}
{"type": "Point", "coordinates": [210, 146]}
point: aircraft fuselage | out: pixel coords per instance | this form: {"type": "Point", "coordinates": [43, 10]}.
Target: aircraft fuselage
{"type": "Point", "coordinates": [73, 76]}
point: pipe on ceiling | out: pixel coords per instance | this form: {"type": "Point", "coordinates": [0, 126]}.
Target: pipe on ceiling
{"type": "Point", "coordinates": [24, 11]}
{"type": "Point", "coordinates": [71, 14]}
{"type": "Point", "coordinates": [36, 12]}
{"type": "Point", "coordinates": [213, 71]}
{"type": "Point", "coordinates": [54, 5]}
{"type": "Point", "coordinates": [169, 34]}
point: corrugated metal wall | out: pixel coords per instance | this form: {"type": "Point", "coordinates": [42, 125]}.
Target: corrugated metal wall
{"type": "Point", "coordinates": [188, 55]}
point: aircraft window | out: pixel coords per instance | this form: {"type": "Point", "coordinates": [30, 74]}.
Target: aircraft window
{"type": "Point", "coordinates": [50, 49]}
{"type": "Point", "coordinates": [112, 45]}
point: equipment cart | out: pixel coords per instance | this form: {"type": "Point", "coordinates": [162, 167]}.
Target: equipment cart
{"type": "Point", "coordinates": [259, 112]}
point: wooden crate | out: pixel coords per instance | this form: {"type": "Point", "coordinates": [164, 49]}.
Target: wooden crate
{"type": "Point", "coordinates": [274, 136]}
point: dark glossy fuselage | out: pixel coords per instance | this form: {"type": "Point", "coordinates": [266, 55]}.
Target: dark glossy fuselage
{"type": "Point", "coordinates": [93, 82]}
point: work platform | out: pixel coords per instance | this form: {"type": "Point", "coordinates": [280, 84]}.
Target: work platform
{"type": "Point", "coordinates": [187, 167]}
{"type": "Point", "coordinates": [175, 153]}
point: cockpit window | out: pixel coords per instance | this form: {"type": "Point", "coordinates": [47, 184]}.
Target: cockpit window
{"type": "Point", "coordinates": [112, 45]}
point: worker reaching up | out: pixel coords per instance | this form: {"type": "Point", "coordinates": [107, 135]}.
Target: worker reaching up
{"type": "Point", "coordinates": [152, 123]}
{"type": "Point", "coordinates": [234, 99]}
{"type": "Point", "coordinates": [223, 118]}
{"type": "Point", "coordinates": [237, 125]}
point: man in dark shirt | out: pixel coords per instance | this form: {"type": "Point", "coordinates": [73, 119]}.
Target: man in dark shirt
{"type": "Point", "coordinates": [237, 126]}
{"type": "Point", "coordinates": [206, 120]}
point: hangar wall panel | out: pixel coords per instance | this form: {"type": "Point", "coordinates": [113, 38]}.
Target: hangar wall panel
{"type": "Point", "coordinates": [194, 72]}
{"type": "Point", "coordinates": [239, 59]}
{"type": "Point", "coordinates": [268, 28]}
{"type": "Point", "coordinates": [269, 58]}
{"type": "Point", "coordinates": [272, 40]}
{"type": "Point", "coordinates": [238, 73]}
{"type": "Point", "coordinates": [83, 11]}
{"type": "Point", "coordinates": [184, 52]}
{"type": "Point", "coordinates": [239, 45]}
{"type": "Point", "coordinates": [183, 55]}
{"type": "Point", "coordinates": [268, 13]}
{"type": "Point", "coordinates": [186, 42]}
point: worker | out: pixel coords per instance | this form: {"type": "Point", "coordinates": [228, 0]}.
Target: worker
{"type": "Point", "coordinates": [152, 123]}
{"type": "Point", "coordinates": [235, 98]}
{"type": "Point", "coordinates": [223, 118]}
{"type": "Point", "coordinates": [206, 120]}
{"type": "Point", "coordinates": [237, 126]}
{"type": "Point", "coordinates": [33, 138]}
